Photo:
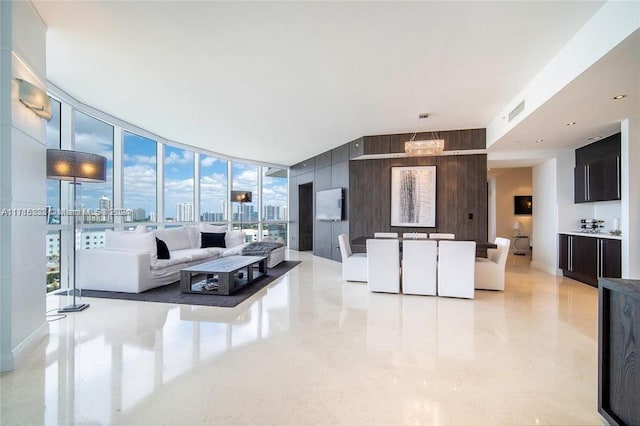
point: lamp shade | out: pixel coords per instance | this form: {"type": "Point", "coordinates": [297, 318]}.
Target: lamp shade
{"type": "Point", "coordinates": [241, 196]}
{"type": "Point", "coordinates": [81, 166]}
{"type": "Point", "coordinates": [424, 147]}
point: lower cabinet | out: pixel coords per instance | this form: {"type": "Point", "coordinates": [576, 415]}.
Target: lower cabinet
{"type": "Point", "coordinates": [588, 258]}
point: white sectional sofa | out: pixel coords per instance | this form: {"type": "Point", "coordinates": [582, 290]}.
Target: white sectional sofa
{"type": "Point", "coordinates": [129, 261]}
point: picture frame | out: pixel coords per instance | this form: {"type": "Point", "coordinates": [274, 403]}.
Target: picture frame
{"type": "Point", "coordinates": [413, 196]}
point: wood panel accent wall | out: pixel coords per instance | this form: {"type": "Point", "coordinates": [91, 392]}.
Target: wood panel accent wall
{"type": "Point", "coordinates": [324, 171]}
{"type": "Point", "coordinates": [461, 188]}
{"type": "Point", "coordinates": [461, 195]}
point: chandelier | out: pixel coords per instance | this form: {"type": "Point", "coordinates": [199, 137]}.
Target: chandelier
{"type": "Point", "coordinates": [423, 148]}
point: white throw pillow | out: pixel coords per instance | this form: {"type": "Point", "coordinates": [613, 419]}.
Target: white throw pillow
{"type": "Point", "coordinates": [206, 227]}
{"type": "Point", "coordinates": [141, 229]}
{"type": "Point", "coordinates": [234, 238]}
{"type": "Point", "coordinates": [175, 238]}
{"type": "Point", "coordinates": [143, 241]}
{"type": "Point", "coordinates": [193, 232]}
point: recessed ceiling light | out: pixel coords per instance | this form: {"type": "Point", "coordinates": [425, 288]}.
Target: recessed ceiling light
{"type": "Point", "coordinates": [539, 140]}
{"type": "Point", "coordinates": [571, 123]}
{"type": "Point", "coordinates": [619, 97]}
{"type": "Point", "coordinates": [594, 138]}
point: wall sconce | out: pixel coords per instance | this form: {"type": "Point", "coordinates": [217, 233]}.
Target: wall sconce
{"type": "Point", "coordinates": [34, 98]}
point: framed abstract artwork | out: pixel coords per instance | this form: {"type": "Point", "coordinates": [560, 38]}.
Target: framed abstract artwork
{"type": "Point", "coordinates": [413, 196]}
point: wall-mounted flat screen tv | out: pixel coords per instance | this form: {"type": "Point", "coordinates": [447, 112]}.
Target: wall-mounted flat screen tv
{"type": "Point", "coordinates": [522, 204]}
{"type": "Point", "coordinates": [329, 204]}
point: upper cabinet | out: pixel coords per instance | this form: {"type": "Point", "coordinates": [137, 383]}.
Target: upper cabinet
{"type": "Point", "coordinates": [597, 172]}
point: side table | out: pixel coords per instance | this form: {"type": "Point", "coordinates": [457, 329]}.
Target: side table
{"type": "Point", "coordinates": [520, 245]}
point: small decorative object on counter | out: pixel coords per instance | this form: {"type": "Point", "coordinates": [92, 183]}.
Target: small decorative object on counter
{"type": "Point", "coordinates": [615, 228]}
{"type": "Point", "coordinates": [591, 225]}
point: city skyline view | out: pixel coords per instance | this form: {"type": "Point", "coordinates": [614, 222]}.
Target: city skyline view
{"type": "Point", "coordinates": [140, 175]}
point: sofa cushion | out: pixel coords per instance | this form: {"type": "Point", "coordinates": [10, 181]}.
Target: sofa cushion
{"type": "Point", "coordinates": [193, 233]}
{"type": "Point", "coordinates": [176, 238]}
{"type": "Point", "coordinates": [235, 250]}
{"type": "Point", "coordinates": [212, 239]}
{"type": "Point", "coordinates": [163, 250]}
{"type": "Point", "coordinates": [234, 238]}
{"type": "Point", "coordinates": [206, 227]}
{"type": "Point", "coordinates": [124, 240]}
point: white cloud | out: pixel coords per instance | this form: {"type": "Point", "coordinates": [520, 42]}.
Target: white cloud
{"type": "Point", "coordinates": [143, 159]}
{"type": "Point", "coordinates": [86, 142]}
{"type": "Point", "coordinates": [175, 158]}
{"type": "Point", "coordinates": [207, 161]}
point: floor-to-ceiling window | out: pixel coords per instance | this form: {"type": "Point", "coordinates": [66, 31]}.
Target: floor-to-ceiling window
{"type": "Point", "coordinates": [214, 177]}
{"type": "Point", "coordinates": [94, 200]}
{"type": "Point", "coordinates": [245, 215]}
{"type": "Point", "coordinates": [52, 240]}
{"type": "Point", "coordinates": [275, 202]}
{"type": "Point", "coordinates": [178, 185]}
{"type": "Point", "coordinates": [152, 182]}
{"type": "Point", "coordinates": [139, 178]}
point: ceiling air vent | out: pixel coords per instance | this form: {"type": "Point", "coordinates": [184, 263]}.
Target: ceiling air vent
{"type": "Point", "coordinates": [517, 110]}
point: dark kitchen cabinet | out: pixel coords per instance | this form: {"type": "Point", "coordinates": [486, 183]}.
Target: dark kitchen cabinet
{"type": "Point", "coordinates": [588, 258]}
{"type": "Point", "coordinates": [597, 172]}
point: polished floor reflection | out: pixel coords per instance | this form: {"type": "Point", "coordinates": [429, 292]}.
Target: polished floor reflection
{"type": "Point", "coordinates": [311, 349]}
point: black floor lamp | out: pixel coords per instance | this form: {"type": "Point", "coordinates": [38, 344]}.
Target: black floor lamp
{"type": "Point", "coordinates": [75, 166]}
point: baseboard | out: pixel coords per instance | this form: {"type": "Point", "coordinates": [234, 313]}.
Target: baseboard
{"type": "Point", "coordinates": [25, 347]}
{"type": "Point", "coordinates": [545, 268]}
{"type": "Point", "coordinates": [6, 362]}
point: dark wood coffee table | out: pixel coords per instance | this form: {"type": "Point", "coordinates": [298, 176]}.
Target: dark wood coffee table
{"type": "Point", "coordinates": [230, 273]}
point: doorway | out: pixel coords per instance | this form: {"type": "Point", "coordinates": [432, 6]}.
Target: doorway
{"type": "Point", "coordinates": [305, 220]}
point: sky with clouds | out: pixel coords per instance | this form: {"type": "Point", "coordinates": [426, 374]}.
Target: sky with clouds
{"type": "Point", "coordinates": [140, 171]}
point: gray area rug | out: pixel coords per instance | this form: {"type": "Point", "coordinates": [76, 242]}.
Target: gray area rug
{"type": "Point", "coordinates": [171, 293]}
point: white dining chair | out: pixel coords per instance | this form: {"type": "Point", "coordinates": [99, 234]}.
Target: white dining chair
{"type": "Point", "coordinates": [385, 235]}
{"type": "Point", "coordinates": [419, 265]}
{"type": "Point", "coordinates": [442, 236]}
{"type": "Point", "coordinates": [415, 235]}
{"type": "Point", "coordinates": [354, 265]}
{"type": "Point", "coordinates": [456, 268]}
{"type": "Point", "coordinates": [489, 273]}
{"type": "Point", "coordinates": [383, 265]}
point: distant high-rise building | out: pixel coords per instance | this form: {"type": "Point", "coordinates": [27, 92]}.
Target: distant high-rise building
{"type": "Point", "coordinates": [212, 217]}
{"type": "Point", "coordinates": [138, 215]}
{"type": "Point", "coordinates": [223, 208]}
{"type": "Point", "coordinates": [152, 217]}
{"type": "Point", "coordinates": [284, 213]}
{"type": "Point", "coordinates": [271, 212]}
{"type": "Point", "coordinates": [184, 212]}
{"type": "Point", "coordinates": [104, 204]}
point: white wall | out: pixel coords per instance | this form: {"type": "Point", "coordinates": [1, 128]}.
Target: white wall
{"type": "Point", "coordinates": [491, 208]}
{"type": "Point", "coordinates": [613, 23]}
{"type": "Point", "coordinates": [630, 210]}
{"type": "Point", "coordinates": [22, 186]}
{"type": "Point", "coordinates": [509, 184]}
{"type": "Point", "coordinates": [545, 210]}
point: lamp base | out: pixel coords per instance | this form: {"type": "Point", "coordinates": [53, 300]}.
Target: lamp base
{"type": "Point", "coordinates": [74, 308]}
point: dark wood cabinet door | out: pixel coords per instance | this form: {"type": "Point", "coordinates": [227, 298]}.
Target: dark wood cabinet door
{"type": "Point", "coordinates": [584, 253]}
{"type": "Point", "coordinates": [580, 184]}
{"type": "Point", "coordinates": [603, 179]}
{"type": "Point", "coordinates": [563, 252]}
{"type": "Point", "coordinates": [611, 261]}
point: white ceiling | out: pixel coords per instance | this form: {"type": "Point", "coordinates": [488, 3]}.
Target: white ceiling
{"type": "Point", "coordinates": [281, 82]}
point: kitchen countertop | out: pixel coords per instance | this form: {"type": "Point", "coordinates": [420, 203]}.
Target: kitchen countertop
{"type": "Point", "coordinates": [595, 235]}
